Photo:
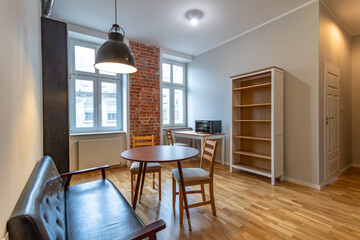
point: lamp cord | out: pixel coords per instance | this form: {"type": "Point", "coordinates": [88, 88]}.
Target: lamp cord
{"type": "Point", "coordinates": [115, 13]}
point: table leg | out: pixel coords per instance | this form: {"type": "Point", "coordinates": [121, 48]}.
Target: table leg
{"type": "Point", "coordinates": [182, 188]}
{"type": "Point", "coordinates": [137, 185]}
{"type": "Point", "coordinates": [142, 181]}
{"type": "Point", "coordinates": [223, 151]}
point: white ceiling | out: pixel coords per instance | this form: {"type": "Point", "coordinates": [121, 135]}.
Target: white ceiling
{"type": "Point", "coordinates": [162, 22]}
{"type": "Point", "coordinates": [347, 12]}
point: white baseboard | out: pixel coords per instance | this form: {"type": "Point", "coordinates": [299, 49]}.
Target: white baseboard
{"type": "Point", "coordinates": [345, 168]}
{"type": "Point", "coordinates": [306, 184]}
{"type": "Point", "coordinates": [356, 165]}
{"type": "Point", "coordinates": [322, 185]}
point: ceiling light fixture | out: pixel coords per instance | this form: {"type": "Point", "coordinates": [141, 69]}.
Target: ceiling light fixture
{"type": "Point", "coordinates": [114, 55]}
{"type": "Point", "coordinates": [194, 16]}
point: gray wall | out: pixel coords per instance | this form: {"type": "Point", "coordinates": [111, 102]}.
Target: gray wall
{"type": "Point", "coordinates": [291, 43]}
{"type": "Point", "coordinates": [335, 48]}
{"type": "Point", "coordinates": [20, 104]}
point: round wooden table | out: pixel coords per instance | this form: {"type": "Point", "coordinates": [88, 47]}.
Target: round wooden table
{"type": "Point", "coordinates": [159, 154]}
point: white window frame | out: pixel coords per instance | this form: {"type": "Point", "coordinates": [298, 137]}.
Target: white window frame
{"type": "Point", "coordinates": [172, 86]}
{"type": "Point", "coordinates": [97, 78]}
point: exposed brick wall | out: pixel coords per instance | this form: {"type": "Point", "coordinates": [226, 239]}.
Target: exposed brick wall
{"type": "Point", "coordinates": [145, 92]}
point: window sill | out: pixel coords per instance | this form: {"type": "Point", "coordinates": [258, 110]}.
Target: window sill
{"type": "Point", "coordinates": [95, 133]}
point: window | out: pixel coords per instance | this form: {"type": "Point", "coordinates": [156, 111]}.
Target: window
{"type": "Point", "coordinates": [95, 96]}
{"type": "Point", "coordinates": [173, 94]}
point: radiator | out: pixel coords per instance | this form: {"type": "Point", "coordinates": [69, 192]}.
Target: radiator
{"type": "Point", "coordinates": [94, 153]}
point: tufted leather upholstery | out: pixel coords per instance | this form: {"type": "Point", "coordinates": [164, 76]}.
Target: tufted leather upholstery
{"type": "Point", "coordinates": [97, 210]}
{"type": "Point", "coordinates": [92, 210]}
{"type": "Point", "coordinates": [40, 210]}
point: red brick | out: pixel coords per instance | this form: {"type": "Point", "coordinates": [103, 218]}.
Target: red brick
{"type": "Point", "coordinates": [145, 92]}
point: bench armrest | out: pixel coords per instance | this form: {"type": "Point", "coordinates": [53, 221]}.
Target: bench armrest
{"type": "Point", "coordinates": [68, 175]}
{"type": "Point", "coordinates": [147, 231]}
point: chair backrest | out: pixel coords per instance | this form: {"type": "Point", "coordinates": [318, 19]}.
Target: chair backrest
{"type": "Point", "coordinates": [142, 141]}
{"type": "Point", "coordinates": [209, 154]}
{"type": "Point", "coordinates": [169, 137]}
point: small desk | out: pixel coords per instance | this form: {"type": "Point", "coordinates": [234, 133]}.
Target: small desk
{"type": "Point", "coordinates": [202, 137]}
{"type": "Point", "coordinates": [159, 154]}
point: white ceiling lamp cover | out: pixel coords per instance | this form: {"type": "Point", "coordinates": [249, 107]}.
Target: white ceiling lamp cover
{"type": "Point", "coordinates": [194, 16]}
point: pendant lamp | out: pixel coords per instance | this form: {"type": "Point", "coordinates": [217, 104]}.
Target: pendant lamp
{"type": "Point", "coordinates": [114, 55]}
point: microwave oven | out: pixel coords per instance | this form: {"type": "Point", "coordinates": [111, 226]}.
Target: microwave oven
{"type": "Point", "coordinates": [208, 126]}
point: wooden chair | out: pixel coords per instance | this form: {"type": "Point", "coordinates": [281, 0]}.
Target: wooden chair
{"type": "Point", "coordinates": [170, 139]}
{"type": "Point", "coordinates": [142, 141]}
{"type": "Point", "coordinates": [197, 176]}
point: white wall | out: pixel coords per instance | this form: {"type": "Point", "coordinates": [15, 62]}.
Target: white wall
{"type": "Point", "coordinates": [291, 43]}
{"type": "Point", "coordinates": [355, 89]}
{"type": "Point", "coordinates": [20, 103]}
{"type": "Point", "coordinates": [335, 48]}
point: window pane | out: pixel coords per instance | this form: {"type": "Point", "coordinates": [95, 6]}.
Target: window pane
{"type": "Point", "coordinates": [178, 74]}
{"type": "Point", "coordinates": [166, 72]}
{"type": "Point", "coordinates": [84, 97]}
{"type": "Point", "coordinates": [84, 59]}
{"type": "Point", "coordinates": [179, 106]}
{"type": "Point", "coordinates": [166, 105]}
{"type": "Point", "coordinates": [108, 104]}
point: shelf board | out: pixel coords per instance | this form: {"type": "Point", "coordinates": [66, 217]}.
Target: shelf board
{"type": "Point", "coordinates": [264, 121]}
{"type": "Point", "coordinates": [258, 170]}
{"type": "Point", "coordinates": [252, 154]}
{"type": "Point", "coordinates": [252, 105]}
{"type": "Point", "coordinates": [253, 86]}
{"type": "Point", "coordinates": [253, 138]}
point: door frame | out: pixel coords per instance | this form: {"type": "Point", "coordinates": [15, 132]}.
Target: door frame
{"type": "Point", "coordinates": [328, 67]}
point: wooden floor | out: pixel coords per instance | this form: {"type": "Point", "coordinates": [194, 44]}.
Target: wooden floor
{"type": "Point", "coordinates": [249, 207]}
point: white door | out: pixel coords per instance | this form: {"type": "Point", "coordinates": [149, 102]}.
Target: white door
{"type": "Point", "coordinates": [332, 91]}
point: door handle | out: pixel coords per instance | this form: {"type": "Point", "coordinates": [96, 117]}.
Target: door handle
{"type": "Point", "coordinates": [328, 118]}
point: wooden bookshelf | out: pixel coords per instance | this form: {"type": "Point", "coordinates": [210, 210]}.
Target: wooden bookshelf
{"type": "Point", "coordinates": [254, 138]}
{"type": "Point", "coordinates": [252, 154]}
{"type": "Point", "coordinates": [257, 114]}
{"type": "Point", "coordinates": [253, 120]}
{"type": "Point", "coordinates": [253, 169]}
{"type": "Point", "coordinates": [253, 87]}
{"type": "Point", "coordinates": [253, 105]}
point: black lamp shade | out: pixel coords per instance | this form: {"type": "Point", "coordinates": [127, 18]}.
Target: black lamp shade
{"type": "Point", "coordinates": [115, 56]}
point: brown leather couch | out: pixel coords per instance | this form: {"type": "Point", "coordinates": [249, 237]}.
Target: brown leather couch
{"type": "Point", "coordinates": [49, 209]}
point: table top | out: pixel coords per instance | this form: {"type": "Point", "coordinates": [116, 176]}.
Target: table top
{"type": "Point", "coordinates": [193, 133]}
{"type": "Point", "coordinates": [162, 153]}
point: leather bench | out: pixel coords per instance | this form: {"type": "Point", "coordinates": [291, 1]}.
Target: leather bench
{"type": "Point", "coordinates": [49, 209]}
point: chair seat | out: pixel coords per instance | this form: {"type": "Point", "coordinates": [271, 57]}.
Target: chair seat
{"type": "Point", "coordinates": [87, 218]}
{"type": "Point", "coordinates": [135, 166]}
{"type": "Point", "coordinates": [191, 174]}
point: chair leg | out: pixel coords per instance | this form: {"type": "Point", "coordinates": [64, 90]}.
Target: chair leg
{"type": "Point", "coordinates": [203, 192]}
{"type": "Point", "coordinates": [173, 191]}
{"type": "Point", "coordinates": [153, 180]}
{"type": "Point", "coordinates": [159, 185]}
{"type": "Point", "coordinates": [181, 206]}
{"type": "Point", "coordinates": [132, 186]}
{"type": "Point", "coordinates": [212, 198]}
